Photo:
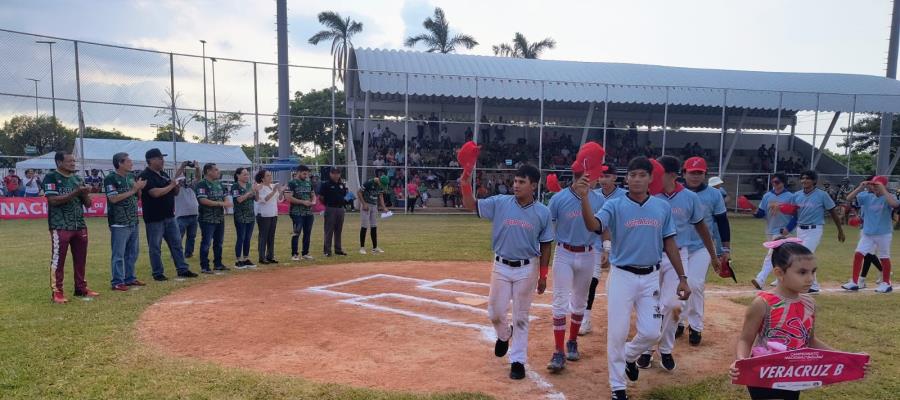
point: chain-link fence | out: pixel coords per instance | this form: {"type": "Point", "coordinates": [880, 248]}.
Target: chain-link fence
{"type": "Point", "coordinates": [406, 126]}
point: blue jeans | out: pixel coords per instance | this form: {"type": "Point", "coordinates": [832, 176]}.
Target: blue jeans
{"type": "Point", "coordinates": [124, 242]}
{"type": "Point", "coordinates": [188, 224]}
{"type": "Point", "coordinates": [302, 224]}
{"type": "Point", "coordinates": [244, 232]}
{"type": "Point", "coordinates": [211, 234]}
{"type": "Point", "coordinates": [157, 231]}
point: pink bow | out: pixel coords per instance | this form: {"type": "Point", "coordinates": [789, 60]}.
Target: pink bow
{"type": "Point", "coordinates": [774, 244]}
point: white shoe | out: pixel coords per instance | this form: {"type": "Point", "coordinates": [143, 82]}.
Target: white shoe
{"type": "Point", "coordinates": [585, 324]}
{"type": "Point", "coordinates": [850, 286]}
{"type": "Point", "coordinates": [308, 257]}
{"type": "Point", "coordinates": [295, 258]}
{"type": "Point", "coordinates": [362, 250]}
{"type": "Point", "coordinates": [774, 283]}
{"type": "Point", "coordinates": [884, 287]}
{"type": "Point", "coordinates": [862, 282]}
{"type": "Point", "coordinates": [377, 250]}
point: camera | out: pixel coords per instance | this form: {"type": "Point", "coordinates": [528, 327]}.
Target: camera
{"type": "Point", "coordinates": [189, 164]}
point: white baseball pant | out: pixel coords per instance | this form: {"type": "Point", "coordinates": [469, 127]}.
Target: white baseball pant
{"type": "Point", "coordinates": [598, 253]}
{"type": "Point", "coordinates": [571, 281]}
{"type": "Point", "coordinates": [811, 239]}
{"type": "Point", "coordinates": [696, 267]}
{"type": "Point", "coordinates": [880, 245]}
{"type": "Point", "coordinates": [516, 284]}
{"type": "Point", "coordinates": [627, 292]}
{"type": "Point", "coordinates": [766, 265]}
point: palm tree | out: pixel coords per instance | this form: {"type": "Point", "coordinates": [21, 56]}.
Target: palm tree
{"type": "Point", "coordinates": [340, 31]}
{"type": "Point", "coordinates": [520, 48]}
{"type": "Point", "coordinates": [438, 37]}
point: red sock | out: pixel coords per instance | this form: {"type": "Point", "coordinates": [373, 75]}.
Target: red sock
{"type": "Point", "coordinates": [886, 270]}
{"type": "Point", "coordinates": [857, 265]}
{"type": "Point", "coordinates": [559, 332]}
{"type": "Point", "coordinates": [576, 325]}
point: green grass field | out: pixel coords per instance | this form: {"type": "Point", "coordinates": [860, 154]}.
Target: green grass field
{"type": "Point", "coordinates": [88, 349]}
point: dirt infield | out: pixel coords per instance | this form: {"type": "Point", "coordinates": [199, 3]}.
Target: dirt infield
{"type": "Point", "coordinates": [412, 326]}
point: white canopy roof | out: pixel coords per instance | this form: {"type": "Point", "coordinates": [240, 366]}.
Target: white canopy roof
{"type": "Point", "coordinates": [453, 75]}
{"type": "Point", "coordinates": [98, 154]}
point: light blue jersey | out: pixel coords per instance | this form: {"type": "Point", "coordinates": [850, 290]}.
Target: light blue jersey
{"type": "Point", "coordinates": [812, 206]}
{"type": "Point", "coordinates": [565, 212]}
{"type": "Point", "coordinates": [876, 214]}
{"type": "Point", "coordinates": [686, 213]}
{"type": "Point", "coordinates": [637, 229]}
{"type": "Point", "coordinates": [517, 231]}
{"type": "Point", "coordinates": [775, 221]}
{"type": "Point", "coordinates": [617, 192]}
{"type": "Point", "coordinates": [713, 204]}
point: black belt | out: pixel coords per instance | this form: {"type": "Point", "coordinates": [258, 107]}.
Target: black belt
{"type": "Point", "coordinates": [807, 226]}
{"type": "Point", "coordinates": [512, 263]}
{"type": "Point", "coordinates": [575, 249]}
{"type": "Point", "coordinates": [638, 270]}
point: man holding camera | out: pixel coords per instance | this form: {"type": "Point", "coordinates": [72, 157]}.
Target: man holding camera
{"type": "Point", "coordinates": [158, 201]}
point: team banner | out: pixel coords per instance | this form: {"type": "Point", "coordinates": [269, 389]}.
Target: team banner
{"type": "Point", "coordinates": [801, 369]}
{"type": "Point", "coordinates": [36, 207]}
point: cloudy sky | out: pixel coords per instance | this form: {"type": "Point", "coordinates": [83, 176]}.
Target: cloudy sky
{"type": "Point", "coordinates": [769, 35]}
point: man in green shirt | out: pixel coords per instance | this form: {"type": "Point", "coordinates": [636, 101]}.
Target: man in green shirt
{"type": "Point", "coordinates": [122, 192]}
{"type": "Point", "coordinates": [66, 196]}
{"type": "Point", "coordinates": [371, 199]}
{"type": "Point", "coordinates": [213, 202]}
{"type": "Point", "coordinates": [302, 198]}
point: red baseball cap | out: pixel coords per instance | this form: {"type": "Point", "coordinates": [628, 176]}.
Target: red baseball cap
{"type": "Point", "coordinates": [695, 164]}
{"type": "Point", "coordinates": [880, 179]}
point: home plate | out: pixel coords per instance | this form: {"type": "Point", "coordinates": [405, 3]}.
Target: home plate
{"type": "Point", "coordinates": [471, 301]}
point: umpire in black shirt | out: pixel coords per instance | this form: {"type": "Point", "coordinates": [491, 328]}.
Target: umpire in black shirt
{"type": "Point", "coordinates": [334, 192]}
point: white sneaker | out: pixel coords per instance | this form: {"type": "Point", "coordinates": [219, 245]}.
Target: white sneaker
{"type": "Point", "coordinates": [850, 286]}
{"type": "Point", "coordinates": [862, 282]}
{"type": "Point", "coordinates": [884, 287]}
{"type": "Point", "coordinates": [362, 250]}
{"type": "Point", "coordinates": [585, 324]}
{"type": "Point", "coordinates": [295, 258]}
{"type": "Point", "coordinates": [377, 250]}
{"type": "Point", "coordinates": [774, 283]}
{"type": "Point", "coordinates": [308, 257]}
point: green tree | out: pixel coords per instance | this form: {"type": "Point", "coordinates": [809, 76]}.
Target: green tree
{"type": "Point", "coordinates": [438, 37]}
{"type": "Point", "coordinates": [92, 132]}
{"type": "Point", "coordinates": [860, 163]}
{"type": "Point", "coordinates": [266, 151]}
{"type": "Point", "coordinates": [164, 134]}
{"type": "Point", "coordinates": [340, 31]}
{"type": "Point", "coordinates": [864, 142]}
{"type": "Point", "coordinates": [521, 48]}
{"type": "Point", "coordinates": [223, 127]}
{"type": "Point", "coordinates": [182, 119]}
{"type": "Point", "coordinates": [44, 133]}
{"type": "Point", "coordinates": [309, 124]}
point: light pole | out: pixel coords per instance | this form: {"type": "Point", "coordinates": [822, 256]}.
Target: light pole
{"type": "Point", "coordinates": [52, 85]}
{"type": "Point", "coordinates": [215, 113]}
{"type": "Point", "coordinates": [205, 116]}
{"type": "Point", "coordinates": [35, 96]}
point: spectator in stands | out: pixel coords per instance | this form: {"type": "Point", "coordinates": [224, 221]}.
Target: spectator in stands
{"type": "Point", "coordinates": [686, 151]}
{"type": "Point", "coordinates": [420, 127]}
{"type": "Point", "coordinates": [468, 133]}
{"type": "Point", "coordinates": [484, 129]}
{"type": "Point", "coordinates": [32, 184]}
{"type": "Point", "coordinates": [648, 150]}
{"type": "Point", "coordinates": [696, 150]}
{"type": "Point", "coordinates": [2, 188]}
{"type": "Point", "coordinates": [12, 182]}
{"type": "Point", "coordinates": [94, 180]}
{"type": "Point", "coordinates": [412, 195]}
{"type": "Point", "coordinates": [772, 152]}
{"type": "Point", "coordinates": [434, 126]}
{"type": "Point", "coordinates": [448, 194]}
{"type": "Point", "coordinates": [500, 130]}
{"type": "Point", "coordinates": [719, 184]}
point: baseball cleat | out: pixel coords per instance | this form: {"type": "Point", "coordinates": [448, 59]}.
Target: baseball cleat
{"type": "Point", "coordinates": [756, 284]}
{"type": "Point", "coordinates": [517, 371]}
{"type": "Point", "coordinates": [572, 353]}
{"type": "Point", "coordinates": [694, 337]}
{"type": "Point", "coordinates": [618, 395]}
{"type": "Point", "coordinates": [850, 286]}
{"type": "Point", "coordinates": [644, 360]}
{"type": "Point", "coordinates": [585, 325]}
{"type": "Point", "coordinates": [679, 331]}
{"type": "Point", "coordinates": [502, 346]}
{"type": "Point", "coordinates": [666, 361]}
{"type": "Point", "coordinates": [884, 287]}
{"type": "Point", "coordinates": [557, 362]}
{"type": "Point", "coordinates": [362, 250]}
{"type": "Point", "coordinates": [631, 371]}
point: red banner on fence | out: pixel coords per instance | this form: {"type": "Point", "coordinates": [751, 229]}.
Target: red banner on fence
{"type": "Point", "coordinates": [801, 369]}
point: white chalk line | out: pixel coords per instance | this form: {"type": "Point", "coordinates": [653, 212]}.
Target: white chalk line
{"type": "Point", "coordinates": [486, 331]}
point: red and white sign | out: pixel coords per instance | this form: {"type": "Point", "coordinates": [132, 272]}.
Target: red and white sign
{"type": "Point", "coordinates": [36, 207]}
{"type": "Point", "coordinates": [801, 369]}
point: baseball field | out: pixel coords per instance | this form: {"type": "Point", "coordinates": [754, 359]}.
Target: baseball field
{"type": "Point", "coordinates": [399, 325]}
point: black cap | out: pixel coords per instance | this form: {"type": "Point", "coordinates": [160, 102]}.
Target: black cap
{"type": "Point", "coordinates": [153, 153]}
{"type": "Point", "coordinates": [334, 169]}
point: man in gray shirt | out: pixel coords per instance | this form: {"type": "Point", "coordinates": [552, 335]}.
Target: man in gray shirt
{"type": "Point", "coordinates": [187, 210]}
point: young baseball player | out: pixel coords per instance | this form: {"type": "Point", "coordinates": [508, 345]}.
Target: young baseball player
{"type": "Point", "coordinates": [573, 266]}
{"type": "Point", "coordinates": [521, 238]}
{"type": "Point", "coordinates": [811, 204]}
{"type": "Point", "coordinates": [777, 223]}
{"type": "Point", "coordinates": [876, 206]}
{"type": "Point", "coordinates": [696, 250]}
{"type": "Point", "coordinates": [608, 190]}
{"type": "Point", "coordinates": [784, 315]}
{"type": "Point", "coordinates": [716, 219]}
{"type": "Point", "coordinates": [371, 200]}
{"type": "Point", "coordinates": [641, 227]}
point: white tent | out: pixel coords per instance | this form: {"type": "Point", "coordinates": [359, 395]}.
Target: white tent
{"type": "Point", "coordinates": [98, 153]}
{"type": "Point", "coordinates": [44, 162]}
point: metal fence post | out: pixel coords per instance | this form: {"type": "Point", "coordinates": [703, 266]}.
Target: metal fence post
{"type": "Point", "coordinates": [256, 117]}
{"type": "Point", "coordinates": [812, 151]}
{"type": "Point", "coordinates": [80, 111]}
{"type": "Point", "coordinates": [724, 130]}
{"type": "Point", "coordinates": [405, 147]}
{"type": "Point", "coordinates": [777, 132]}
{"type": "Point", "coordinates": [174, 118]}
{"type": "Point", "coordinates": [665, 123]}
{"type": "Point", "coordinates": [605, 115]}
{"type": "Point", "coordinates": [541, 144]}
